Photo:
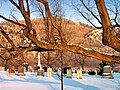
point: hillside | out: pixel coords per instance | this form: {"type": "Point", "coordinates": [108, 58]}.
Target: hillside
{"type": "Point", "coordinates": [78, 33]}
{"type": "Point", "coordinates": [75, 33]}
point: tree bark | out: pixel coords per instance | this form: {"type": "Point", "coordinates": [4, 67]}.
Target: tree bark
{"type": "Point", "coordinates": [75, 49]}
{"type": "Point", "coordinates": [109, 38]}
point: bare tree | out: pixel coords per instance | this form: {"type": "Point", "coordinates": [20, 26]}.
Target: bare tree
{"type": "Point", "coordinates": [109, 38]}
{"type": "Point", "coordinates": [114, 11]}
{"type": "Point", "coordinates": [108, 35]}
{"type": "Point", "coordinates": [88, 11]}
{"type": "Point", "coordinates": [80, 59]}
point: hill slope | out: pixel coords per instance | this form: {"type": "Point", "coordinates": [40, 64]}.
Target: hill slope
{"type": "Point", "coordinates": [75, 33]}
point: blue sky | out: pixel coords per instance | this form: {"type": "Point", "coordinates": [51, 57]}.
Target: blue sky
{"type": "Point", "coordinates": [6, 7]}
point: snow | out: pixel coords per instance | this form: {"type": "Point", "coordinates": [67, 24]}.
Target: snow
{"type": "Point", "coordinates": [81, 46]}
{"type": "Point", "coordinates": [33, 82]}
{"type": "Point", "coordinates": [107, 66]}
{"type": "Point", "coordinates": [88, 49]}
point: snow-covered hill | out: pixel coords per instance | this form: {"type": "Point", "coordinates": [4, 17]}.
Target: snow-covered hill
{"type": "Point", "coordinates": [95, 34]}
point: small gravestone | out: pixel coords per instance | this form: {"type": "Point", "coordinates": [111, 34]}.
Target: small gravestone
{"type": "Point", "coordinates": [45, 69]}
{"type": "Point", "coordinates": [65, 70]}
{"type": "Point", "coordinates": [11, 70]}
{"type": "Point", "coordinates": [79, 73]}
{"type": "Point", "coordinates": [7, 70]}
{"type": "Point", "coordinates": [30, 68]}
{"type": "Point", "coordinates": [69, 73]}
{"type": "Point", "coordinates": [25, 66]}
{"type": "Point", "coordinates": [2, 68]}
{"type": "Point", "coordinates": [40, 72]}
{"type": "Point", "coordinates": [95, 71]}
{"type": "Point", "coordinates": [21, 71]}
{"type": "Point", "coordinates": [49, 72]}
{"type": "Point", "coordinates": [107, 72]}
{"type": "Point", "coordinates": [59, 72]}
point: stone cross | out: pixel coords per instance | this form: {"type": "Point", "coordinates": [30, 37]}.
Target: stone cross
{"type": "Point", "coordinates": [39, 60]}
{"type": "Point", "coordinates": [40, 71]}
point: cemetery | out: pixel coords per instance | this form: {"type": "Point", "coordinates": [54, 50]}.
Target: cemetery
{"type": "Point", "coordinates": [67, 74]}
{"type": "Point", "coordinates": [67, 71]}
{"type": "Point", "coordinates": [75, 79]}
{"type": "Point", "coordinates": [105, 71]}
{"type": "Point", "coordinates": [59, 45]}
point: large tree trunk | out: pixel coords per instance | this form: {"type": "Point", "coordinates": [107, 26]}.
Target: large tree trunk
{"type": "Point", "coordinates": [109, 38]}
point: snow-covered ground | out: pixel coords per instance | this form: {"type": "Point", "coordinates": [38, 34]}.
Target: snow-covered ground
{"type": "Point", "coordinates": [33, 82]}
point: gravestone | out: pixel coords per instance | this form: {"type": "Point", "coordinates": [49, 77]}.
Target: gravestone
{"type": "Point", "coordinates": [59, 72]}
{"type": "Point", "coordinates": [25, 66]}
{"type": "Point", "coordinates": [49, 72]}
{"type": "Point", "coordinates": [30, 68]}
{"type": "Point", "coordinates": [65, 70]}
{"type": "Point", "coordinates": [11, 70]}
{"type": "Point", "coordinates": [95, 71]}
{"type": "Point", "coordinates": [107, 72]}
{"type": "Point", "coordinates": [45, 69]}
{"type": "Point", "coordinates": [40, 72]}
{"type": "Point", "coordinates": [21, 71]}
{"type": "Point", "coordinates": [69, 73]}
{"type": "Point", "coordinates": [36, 68]}
{"type": "Point", "coordinates": [7, 70]}
{"type": "Point", "coordinates": [2, 68]}
{"type": "Point", "coordinates": [79, 73]}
